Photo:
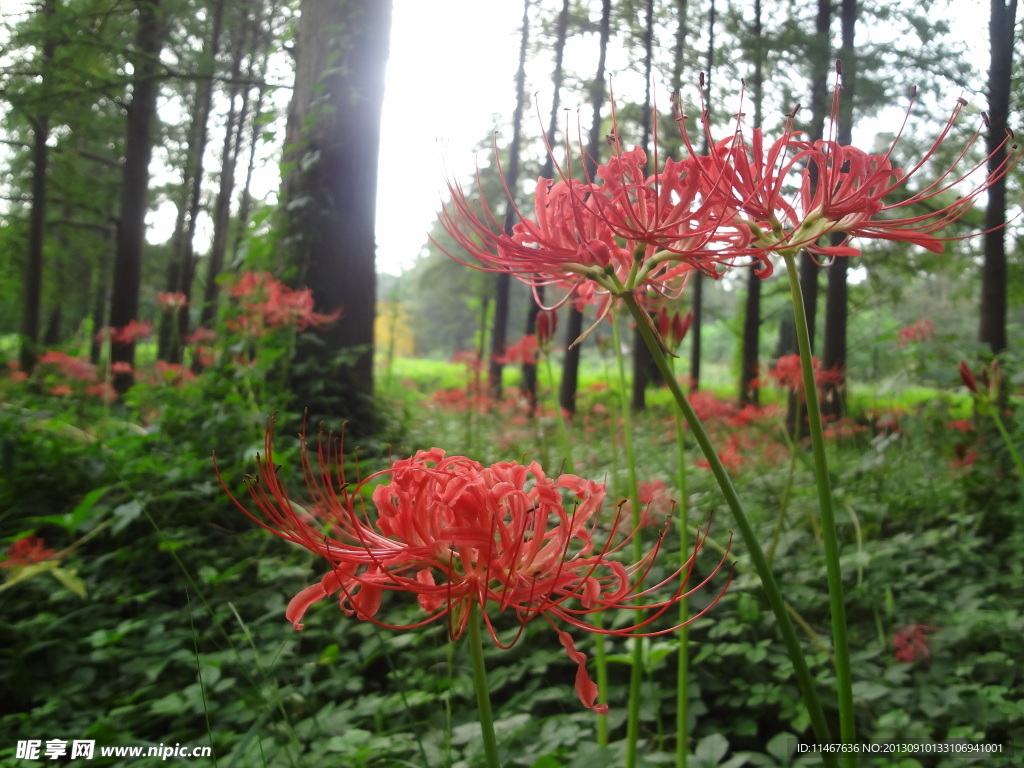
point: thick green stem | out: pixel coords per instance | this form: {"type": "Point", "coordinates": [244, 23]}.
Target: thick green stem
{"type": "Point", "coordinates": [563, 428]}
{"type": "Point", "coordinates": [837, 608]}
{"type": "Point", "coordinates": [768, 583]}
{"type": "Point", "coordinates": [1008, 440]}
{"type": "Point", "coordinates": [483, 695]}
{"type": "Point", "coordinates": [637, 664]}
{"type": "Point", "coordinates": [683, 653]}
{"type": "Point", "coordinates": [600, 654]}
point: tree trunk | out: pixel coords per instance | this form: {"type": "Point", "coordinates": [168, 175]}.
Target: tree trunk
{"type": "Point", "coordinates": [833, 393]}
{"type": "Point", "coordinates": [199, 135]}
{"type": "Point", "coordinates": [574, 326]}
{"type": "Point", "coordinates": [820, 76]}
{"type": "Point", "coordinates": [644, 368]}
{"type": "Point", "coordinates": [228, 163]}
{"type": "Point", "coordinates": [749, 357]}
{"type": "Point", "coordinates": [32, 286]}
{"type": "Point", "coordinates": [503, 282]}
{"type": "Point", "coordinates": [808, 268]}
{"type": "Point", "coordinates": [131, 230]}
{"type": "Point", "coordinates": [330, 198]}
{"type": "Point", "coordinates": [547, 172]}
{"type": "Point", "coordinates": [992, 326]}
{"type": "Point", "coordinates": [697, 292]}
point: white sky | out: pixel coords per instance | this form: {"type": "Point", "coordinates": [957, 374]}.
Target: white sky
{"type": "Point", "coordinates": [449, 78]}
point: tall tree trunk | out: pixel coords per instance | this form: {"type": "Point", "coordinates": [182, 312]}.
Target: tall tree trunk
{"type": "Point", "coordinates": [32, 286]}
{"type": "Point", "coordinates": [643, 363]}
{"type": "Point", "coordinates": [547, 172]}
{"type": "Point", "coordinates": [808, 268]}
{"type": "Point", "coordinates": [199, 135]}
{"type": "Point", "coordinates": [749, 357]}
{"type": "Point", "coordinates": [100, 299]}
{"type": "Point", "coordinates": [697, 290]}
{"type": "Point", "coordinates": [992, 326]}
{"type": "Point", "coordinates": [131, 230]}
{"type": "Point", "coordinates": [32, 291]}
{"type": "Point", "coordinates": [837, 299]}
{"type": "Point", "coordinates": [574, 326]}
{"type": "Point", "coordinates": [820, 77]}
{"type": "Point", "coordinates": [228, 164]}
{"type": "Point", "coordinates": [256, 127]}
{"type": "Point", "coordinates": [330, 198]}
{"type": "Point", "coordinates": [503, 281]}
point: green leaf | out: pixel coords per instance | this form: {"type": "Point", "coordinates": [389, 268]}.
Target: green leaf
{"type": "Point", "coordinates": [70, 580]}
{"type": "Point", "coordinates": [126, 514]}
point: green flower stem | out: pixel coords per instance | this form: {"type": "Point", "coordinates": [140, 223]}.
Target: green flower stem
{"type": "Point", "coordinates": [601, 667]}
{"type": "Point", "coordinates": [780, 522]}
{"type": "Point", "coordinates": [563, 428]}
{"type": "Point", "coordinates": [483, 695]}
{"type": "Point", "coordinates": [600, 654]}
{"type": "Point", "coordinates": [768, 583]}
{"type": "Point", "coordinates": [637, 662]}
{"type": "Point", "coordinates": [1007, 439]}
{"type": "Point", "coordinates": [683, 654]}
{"type": "Point", "coordinates": [840, 643]}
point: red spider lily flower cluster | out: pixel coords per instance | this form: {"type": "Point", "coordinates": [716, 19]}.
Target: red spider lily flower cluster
{"type": "Point", "coordinates": [522, 352]}
{"type": "Point", "coordinates": [453, 532]}
{"type": "Point", "coordinates": [788, 374]}
{"type": "Point", "coordinates": [624, 229]}
{"type": "Point", "coordinates": [76, 368]}
{"type": "Point", "coordinates": [672, 327]}
{"type": "Point", "coordinates": [991, 379]}
{"type": "Point", "coordinates": [911, 643]}
{"type": "Point", "coordinates": [738, 204]}
{"type": "Point", "coordinates": [27, 551]}
{"type": "Point", "coordinates": [269, 303]}
{"type": "Point", "coordinates": [172, 301]}
{"type": "Point", "coordinates": [126, 334]}
{"type": "Point", "coordinates": [918, 331]}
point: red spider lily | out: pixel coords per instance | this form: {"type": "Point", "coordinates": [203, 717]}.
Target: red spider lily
{"type": "Point", "coordinates": [840, 188]}
{"type": "Point", "coordinates": [523, 351]}
{"type": "Point", "coordinates": [918, 331]}
{"type": "Point", "coordinates": [672, 328]}
{"type": "Point", "coordinates": [268, 301]}
{"type": "Point", "coordinates": [27, 551]}
{"type": "Point", "coordinates": [546, 325]}
{"type": "Point", "coordinates": [964, 456]}
{"type": "Point", "coordinates": [75, 367]}
{"type": "Point", "coordinates": [175, 300]}
{"type": "Point", "coordinates": [788, 374]}
{"type": "Point", "coordinates": [622, 230]}
{"type": "Point", "coordinates": [453, 532]}
{"type": "Point", "coordinates": [911, 643]}
{"type": "Point", "coordinates": [201, 336]}
{"type": "Point", "coordinates": [103, 390]}
{"type": "Point", "coordinates": [967, 377]}
{"type": "Point", "coordinates": [127, 334]}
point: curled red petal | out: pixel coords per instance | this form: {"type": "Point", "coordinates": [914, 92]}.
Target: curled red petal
{"type": "Point", "coordinates": [586, 688]}
{"type": "Point", "coordinates": [299, 604]}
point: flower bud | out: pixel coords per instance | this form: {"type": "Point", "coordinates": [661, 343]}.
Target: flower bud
{"type": "Point", "coordinates": [967, 377]}
{"type": "Point", "coordinates": [546, 324]}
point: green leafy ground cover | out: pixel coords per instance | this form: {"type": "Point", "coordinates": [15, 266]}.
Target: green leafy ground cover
{"type": "Point", "coordinates": [164, 619]}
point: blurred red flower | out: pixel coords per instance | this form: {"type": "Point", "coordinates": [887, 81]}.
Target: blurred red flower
{"type": "Point", "coordinates": [911, 643]}
{"type": "Point", "coordinates": [27, 551]}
